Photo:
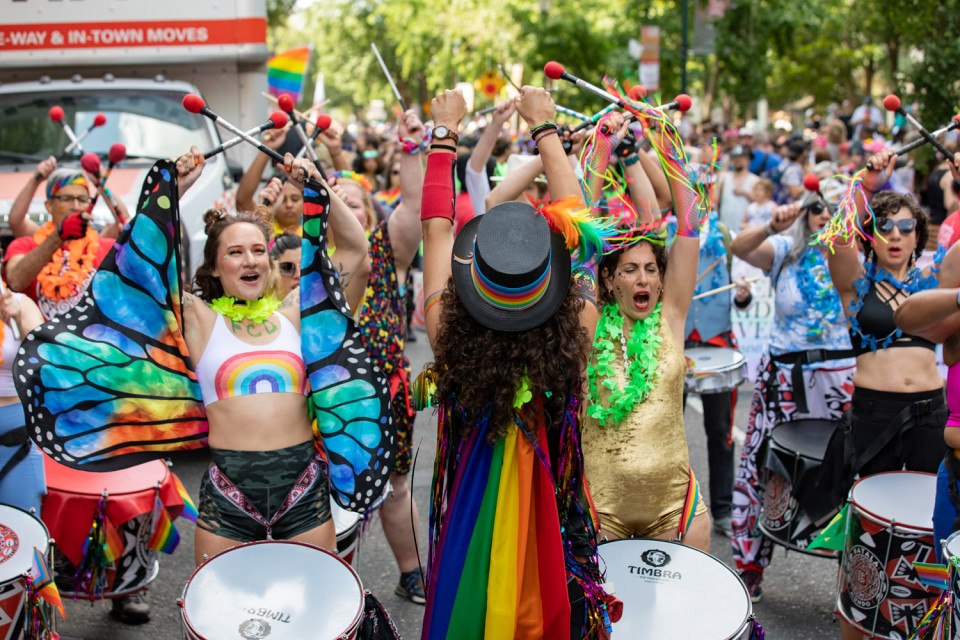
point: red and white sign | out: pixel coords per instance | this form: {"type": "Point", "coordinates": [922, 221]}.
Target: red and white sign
{"type": "Point", "coordinates": [175, 33]}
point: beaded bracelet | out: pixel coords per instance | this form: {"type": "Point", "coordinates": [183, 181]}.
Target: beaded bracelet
{"type": "Point", "coordinates": [543, 126]}
{"type": "Point", "coordinates": [543, 133]}
{"type": "Point", "coordinates": [629, 161]}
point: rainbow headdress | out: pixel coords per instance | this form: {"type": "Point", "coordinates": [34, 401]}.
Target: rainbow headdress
{"type": "Point", "coordinates": [846, 224]}
{"type": "Point", "coordinates": [502, 528]}
{"type": "Point", "coordinates": [588, 235]}
{"type": "Point", "coordinates": [286, 72]}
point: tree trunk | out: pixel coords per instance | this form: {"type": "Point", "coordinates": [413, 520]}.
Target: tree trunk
{"type": "Point", "coordinates": [869, 70]}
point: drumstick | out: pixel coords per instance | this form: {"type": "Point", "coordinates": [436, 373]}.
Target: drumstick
{"type": "Point", "coordinates": [709, 269]}
{"type": "Point", "coordinates": [726, 287]}
{"type": "Point", "coordinates": [300, 114]}
{"type": "Point", "coordinates": [13, 323]}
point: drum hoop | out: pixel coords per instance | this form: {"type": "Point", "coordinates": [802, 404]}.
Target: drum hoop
{"type": "Point", "coordinates": [152, 487]}
{"type": "Point", "coordinates": [183, 594]}
{"type": "Point", "coordinates": [746, 594]}
{"type": "Point", "coordinates": [879, 519]}
{"type": "Point", "coordinates": [46, 533]}
{"type": "Point", "coordinates": [943, 544]}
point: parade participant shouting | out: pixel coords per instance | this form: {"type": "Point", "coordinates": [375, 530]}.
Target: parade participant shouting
{"type": "Point", "coordinates": [634, 435]}
{"type": "Point", "coordinates": [382, 321]}
{"type": "Point", "coordinates": [55, 265]}
{"type": "Point", "coordinates": [805, 373]}
{"type": "Point", "coordinates": [512, 549]}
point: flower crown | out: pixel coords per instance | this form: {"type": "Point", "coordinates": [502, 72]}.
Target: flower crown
{"type": "Point", "coordinates": [359, 178]}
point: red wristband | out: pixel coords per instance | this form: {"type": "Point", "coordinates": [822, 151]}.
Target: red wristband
{"type": "Point", "coordinates": [437, 201]}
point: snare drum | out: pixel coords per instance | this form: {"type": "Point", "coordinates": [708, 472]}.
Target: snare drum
{"type": "Point", "coordinates": [20, 532]}
{"type": "Point", "coordinates": [889, 527]}
{"type": "Point", "coordinates": [276, 588]}
{"type": "Point", "coordinates": [69, 508]}
{"type": "Point", "coordinates": [794, 508]}
{"type": "Point", "coordinates": [714, 369]}
{"type": "Point", "coordinates": [951, 549]}
{"type": "Point", "coordinates": [661, 583]}
{"type": "Point", "coordinates": [347, 524]}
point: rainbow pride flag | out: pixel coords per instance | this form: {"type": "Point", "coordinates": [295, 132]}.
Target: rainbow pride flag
{"type": "Point", "coordinates": [287, 71]}
{"type": "Point", "coordinates": [189, 508]}
{"type": "Point", "coordinates": [165, 536]}
{"type": "Point", "coordinates": [932, 575]}
{"type": "Point", "coordinates": [43, 582]}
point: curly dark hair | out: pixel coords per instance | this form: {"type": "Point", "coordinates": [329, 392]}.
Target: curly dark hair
{"type": "Point", "coordinates": [482, 367]}
{"type": "Point", "coordinates": [608, 267]}
{"type": "Point", "coordinates": [206, 285]}
{"type": "Point", "coordinates": [888, 203]}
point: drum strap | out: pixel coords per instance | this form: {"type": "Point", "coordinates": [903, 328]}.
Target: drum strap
{"type": "Point", "coordinates": [901, 420]}
{"type": "Point", "coordinates": [689, 505]}
{"type": "Point", "coordinates": [229, 490]}
{"type": "Point", "coordinates": [15, 438]}
{"type": "Point", "coordinates": [800, 358]}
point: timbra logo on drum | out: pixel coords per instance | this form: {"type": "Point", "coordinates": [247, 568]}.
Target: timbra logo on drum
{"type": "Point", "coordinates": [9, 543]}
{"type": "Point", "coordinates": [254, 629]}
{"type": "Point", "coordinates": [655, 559]}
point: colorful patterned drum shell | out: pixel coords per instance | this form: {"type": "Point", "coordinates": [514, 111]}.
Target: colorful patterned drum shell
{"type": "Point", "coordinates": [280, 590]}
{"type": "Point", "coordinates": [662, 583]}
{"type": "Point", "coordinates": [889, 527]}
{"type": "Point", "coordinates": [794, 508]}
{"type": "Point", "coordinates": [20, 533]}
{"type": "Point", "coordinates": [714, 369]}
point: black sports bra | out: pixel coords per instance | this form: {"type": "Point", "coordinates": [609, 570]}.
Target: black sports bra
{"type": "Point", "coordinates": [876, 319]}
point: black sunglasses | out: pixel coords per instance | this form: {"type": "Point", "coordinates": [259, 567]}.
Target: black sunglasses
{"type": "Point", "coordinates": [815, 208]}
{"type": "Point", "coordinates": [289, 269]}
{"type": "Point", "coordinates": [906, 226]}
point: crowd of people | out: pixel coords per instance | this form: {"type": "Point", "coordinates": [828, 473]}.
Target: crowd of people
{"type": "Point", "coordinates": [564, 273]}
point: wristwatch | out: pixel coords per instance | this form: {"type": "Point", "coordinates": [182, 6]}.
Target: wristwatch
{"type": "Point", "coordinates": [443, 133]}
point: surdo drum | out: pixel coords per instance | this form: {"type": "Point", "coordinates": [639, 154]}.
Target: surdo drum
{"type": "Point", "coordinates": [674, 592]}
{"type": "Point", "coordinates": [276, 589]}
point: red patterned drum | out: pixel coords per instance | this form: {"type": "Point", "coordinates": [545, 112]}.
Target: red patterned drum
{"type": "Point", "coordinates": [69, 509]}
{"type": "Point", "coordinates": [276, 589]}
{"type": "Point", "coordinates": [20, 533]}
{"type": "Point", "coordinates": [889, 527]}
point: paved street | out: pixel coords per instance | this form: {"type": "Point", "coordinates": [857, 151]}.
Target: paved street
{"type": "Point", "coordinates": [798, 592]}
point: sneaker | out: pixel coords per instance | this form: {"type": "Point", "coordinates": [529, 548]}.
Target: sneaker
{"type": "Point", "coordinates": [411, 587]}
{"type": "Point", "coordinates": [723, 526]}
{"type": "Point", "coordinates": [752, 580]}
{"type": "Point", "coordinates": [132, 609]}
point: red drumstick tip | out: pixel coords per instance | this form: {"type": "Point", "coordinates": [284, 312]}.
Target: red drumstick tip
{"type": "Point", "coordinates": [279, 119]}
{"type": "Point", "coordinates": [193, 103]}
{"type": "Point", "coordinates": [811, 182]}
{"type": "Point", "coordinates": [56, 113]}
{"type": "Point", "coordinates": [637, 93]}
{"type": "Point", "coordinates": [554, 70]}
{"type": "Point", "coordinates": [324, 121]}
{"type": "Point", "coordinates": [684, 102]}
{"type": "Point", "coordinates": [90, 163]}
{"type": "Point", "coordinates": [285, 102]}
{"type": "Point", "coordinates": [99, 120]}
{"type": "Point", "coordinates": [117, 153]}
{"type": "Point", "coordinates": [956, 118]}
{"type": "Point", "coordinates": [891, 103]}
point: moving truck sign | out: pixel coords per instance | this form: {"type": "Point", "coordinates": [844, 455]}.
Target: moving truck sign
{"type": "Point", "coordinates": [31, 37]}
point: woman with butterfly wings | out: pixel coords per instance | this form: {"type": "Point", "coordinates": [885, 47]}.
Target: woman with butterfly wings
{"type": "Point", "coordinates": [139, 369]}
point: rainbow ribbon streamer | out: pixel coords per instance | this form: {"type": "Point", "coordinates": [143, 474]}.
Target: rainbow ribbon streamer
{"type": "Point", "coordinates": [287, 71]}
{"type": "Point", "coordinates": [102, 547]}
{"type": "Point", "coordinates": [689, 505]}
{"type": "Point", "coordinates": [847, 224]}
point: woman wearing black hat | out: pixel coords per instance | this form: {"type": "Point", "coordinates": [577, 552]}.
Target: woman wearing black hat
{"type": "Point", "coordinates": [512, 549]}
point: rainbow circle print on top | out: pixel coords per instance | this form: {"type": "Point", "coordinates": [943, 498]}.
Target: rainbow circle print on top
{"type": "Point", "coordinates": [260, 372]}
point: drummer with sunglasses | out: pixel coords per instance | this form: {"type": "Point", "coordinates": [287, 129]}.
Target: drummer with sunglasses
{"type": "Point", "coordinates": [898, 410]}
{"type": "Point", "coordinates": [806, 372]}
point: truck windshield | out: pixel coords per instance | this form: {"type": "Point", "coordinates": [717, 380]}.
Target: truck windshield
{"type": "Point", "coordinates": [152, 124]}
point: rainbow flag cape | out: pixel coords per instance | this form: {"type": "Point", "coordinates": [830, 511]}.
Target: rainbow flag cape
{"type": "Point", "coordinates": [287, 71]}
{"type": "Point", "coordinates": [165, 536]}
{"type": "Point", "coordinates": [43, 583]}
{"type": "Point", "coordinates": [189, 508]}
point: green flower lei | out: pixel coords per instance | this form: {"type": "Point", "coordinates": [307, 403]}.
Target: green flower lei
{"type": "Point", "coordinates": [640, 364]}
{"type": "Point", "coordinates": [256, 310]}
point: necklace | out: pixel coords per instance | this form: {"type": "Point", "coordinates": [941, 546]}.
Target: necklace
{"type": "Point", "coordinates": [915, 281]}
{"type": "Point", "coordinates": [639, 364]}
{"type": "Point", "coordinates": [254, 310]}
{"type": "Point", "coordinates": [820, 300]}
{"type": "Point", "coordinates": [70, 267]}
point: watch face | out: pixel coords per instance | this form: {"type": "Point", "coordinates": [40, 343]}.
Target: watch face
{"type": "Point", "coordinates": [441, 132]}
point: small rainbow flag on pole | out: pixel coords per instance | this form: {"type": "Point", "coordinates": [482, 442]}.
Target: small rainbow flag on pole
{"type": "Point", "coordinates": [43, 582]}
{"type": "Point", "coordinates": [287, 71]}
{"type": "Point", "coordinates": [932, 575]}
{"type": "Point", "coordinates": [189, 508]}
{"type": "Point", "coordinates": [165, 536]}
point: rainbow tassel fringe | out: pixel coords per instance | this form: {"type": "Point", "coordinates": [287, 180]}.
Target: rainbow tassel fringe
{"type": "Point", "coordinates": [846, 224]}
{"type": "Point", "coordinates": [101, 548]}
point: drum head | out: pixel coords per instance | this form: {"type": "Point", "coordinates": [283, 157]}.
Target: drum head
{"type": "Point", "coordinates": [20, 532]}
{"type": "Point", "coordinates": [133, 480]}
{"type": "Point", "coordinates": [344, 521]}
{"type": "Point", "coordinates": [807, 437]}
{"type": "Point", "coordinates": [284, 589]}
{"type": "Point", "coordinates": [713, 359]}
{"type": "Point", "coordinates": [904, 497]}
{"type": "Point", "coordinates": [951, 546]}
{"type": "Point", "coordinates": [673, 592]}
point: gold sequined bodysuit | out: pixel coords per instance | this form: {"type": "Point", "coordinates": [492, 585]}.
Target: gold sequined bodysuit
{"type": "Point", "coordinates": [638, 471]}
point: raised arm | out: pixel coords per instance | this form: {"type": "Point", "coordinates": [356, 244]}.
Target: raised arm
{"type": "Point", "coordinates": [515, 182]}
{"type": "Point", "coordinates": [404, 223]}
{"type": "Point", "coordinates": [642, 194]}
{"type": "Point", "coordinates": [20, 224]}
{"type": "Point", "coordinates": [332, 138]}
{"type": "Point", "coordinates": [933, 314]}
{"type": "Point", "coordinates": [651, 167]}
{"type": "Point", "coordinates": [437, 209]}
{"type": "Point", "coordinates": [250, 181]}
{"type": "Point", "coordinates": [753, 246]}
{"type": "Point", "coordinates": [536, 107]}
{"type": "Point", "coordinates": [484, 147]}
{"type": "Point", "coordinates": [681, 278]}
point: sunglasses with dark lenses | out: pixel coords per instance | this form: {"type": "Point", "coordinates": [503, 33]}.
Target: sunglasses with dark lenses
{"type": "Point", "coordinates": [815, 208]}
{"type": "Point", "coordinates": [906, 226]}
{"type": "Point", "coordinates": [289, 269]}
